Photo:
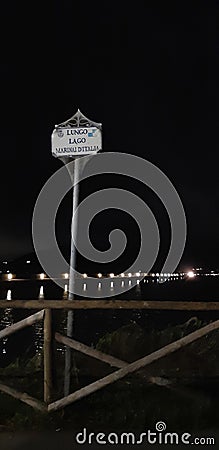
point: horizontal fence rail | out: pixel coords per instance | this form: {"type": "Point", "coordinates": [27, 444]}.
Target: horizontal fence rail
{"type": "Point", "coordinates": [112, 304]}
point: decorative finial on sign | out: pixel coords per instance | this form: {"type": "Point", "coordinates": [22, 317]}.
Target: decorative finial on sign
{"type": "Point", "coordinates": [79, 120]}
{"type": "Point", "coordinates": [76, 137]}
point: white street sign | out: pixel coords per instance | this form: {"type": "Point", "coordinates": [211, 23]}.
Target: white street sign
{"type": "Point", "coordinates": [76, 141]}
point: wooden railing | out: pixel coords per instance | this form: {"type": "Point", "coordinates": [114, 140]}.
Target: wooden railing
{"type": "Point", "coordinates": [123, 367]}
{"type": "Point", "coordinates": [112, 304]}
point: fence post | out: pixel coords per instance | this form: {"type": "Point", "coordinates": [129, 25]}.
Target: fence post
{"type": "Point", "coordinates": [47, 355]}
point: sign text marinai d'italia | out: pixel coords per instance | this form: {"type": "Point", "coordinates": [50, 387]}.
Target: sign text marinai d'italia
{"type": "Point", "coordinates": [76, 141]}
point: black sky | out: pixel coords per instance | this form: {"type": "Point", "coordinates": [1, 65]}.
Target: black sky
{"type": "Point", "coordinates": [141, 71]}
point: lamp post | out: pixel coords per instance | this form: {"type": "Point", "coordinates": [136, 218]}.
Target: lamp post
{"type": "Point", "coordinates": [71, 140]}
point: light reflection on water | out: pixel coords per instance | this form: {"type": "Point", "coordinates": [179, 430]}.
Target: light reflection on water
{"type": "Point", "coordinates": [59, 316]}
{"type": "Point", "coordinates": [38, 336]}
{"type": "Point", "coordinates": [6, 321]}
{"type": "Point", "coordinates": [41, 294]}
{"type": "Point", "coordinates": [38, 326]}
{"type": "Point", "coordinates": [90, 325]}
{"type": "Point", "coordinates": [8, 296]}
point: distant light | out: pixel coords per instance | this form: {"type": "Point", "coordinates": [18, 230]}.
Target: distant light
{"type": "Point", "coordinates": [42, 276]}
{"type": "Point", "coordinates": [5, 262]}
{"type": "Point", "coordinates": [137, 274]}
{"type": "Point", "coordinates": [122, 275]}
{"type": "Point", "coordinates": [99, 275]}
{"type": "Point", "coordinates": [129, 275]}
{"type": "Point", "coordinates": [66, 276]}
{"type": "Point", "coordinates": [8, 271]}
{"type": "Point", "coordinates": [111, 275]}
{"type": "Point", "coordinates": [190, 274]}
{"type": "Point", "coordinates": [10, 276]}
{"type": "Point", "coordinates": [28, 262]}
{"type": "Point", "coordinates": [66, 288]}
{"type": "Point", "coordinates": [157, 274]}
{"type": "Point", "coordinates": [84, 275]}
{"type": "Point", "coordinates": [41, 294]}
{"type": "Point", "coordinates": [153, 274]}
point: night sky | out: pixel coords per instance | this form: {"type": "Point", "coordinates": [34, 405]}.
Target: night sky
{"type": "Point", "coordinates": [149, 74]}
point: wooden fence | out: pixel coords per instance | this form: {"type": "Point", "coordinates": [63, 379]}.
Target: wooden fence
{"type": "Point", "coordinates": [124, 368]}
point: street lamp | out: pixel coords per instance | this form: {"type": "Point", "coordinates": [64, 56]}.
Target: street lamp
{"type": "Point", "coordinates": [71, 140]}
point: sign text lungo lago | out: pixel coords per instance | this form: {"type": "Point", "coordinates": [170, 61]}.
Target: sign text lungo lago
{"type": "Point", "coordinates": [73, 141]}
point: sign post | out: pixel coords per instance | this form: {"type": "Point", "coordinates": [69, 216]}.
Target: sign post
{"type": "Point", "coordinates": [71, 140]}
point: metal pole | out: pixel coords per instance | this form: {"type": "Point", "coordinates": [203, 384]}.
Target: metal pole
{"type": "Point", "coordinates": [70, 316]}
{"type": "Point", "coordinates": [47, 355]}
